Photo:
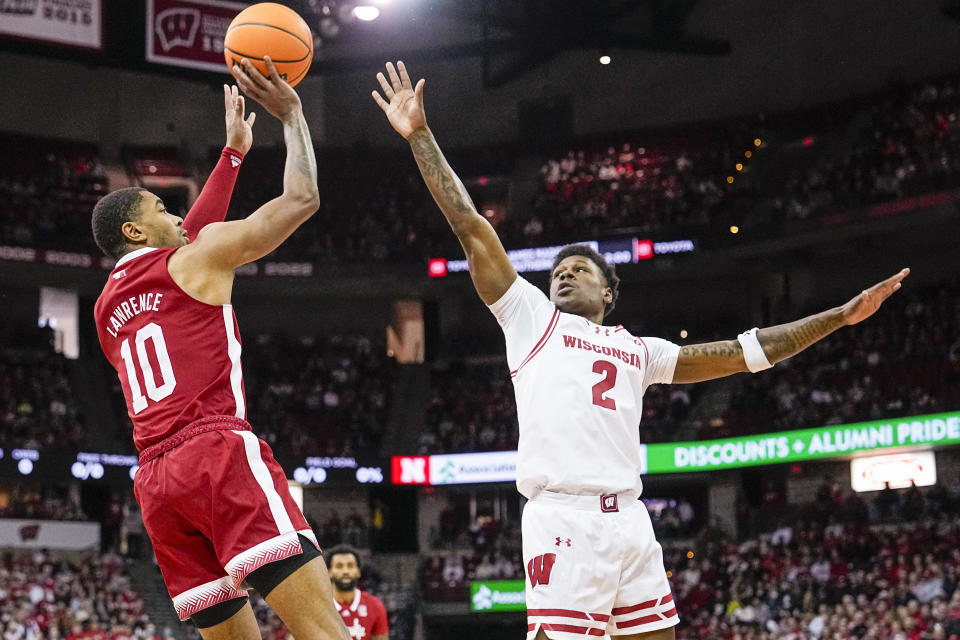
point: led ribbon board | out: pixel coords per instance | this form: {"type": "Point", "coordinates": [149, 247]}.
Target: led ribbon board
{"type": "Point", "coordinates": [834, 441]}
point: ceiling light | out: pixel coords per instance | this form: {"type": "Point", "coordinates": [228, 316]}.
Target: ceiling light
{"type": "Point", "coordinates": [366, 12]}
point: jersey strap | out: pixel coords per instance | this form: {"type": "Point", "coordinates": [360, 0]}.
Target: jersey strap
{"type": "Point", "coordinates": [541, 343]}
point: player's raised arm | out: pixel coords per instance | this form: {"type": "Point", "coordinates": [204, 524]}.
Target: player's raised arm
{"type": "Point", "coordinates": [490, 268]}
{"type": "Point", "coordinates": [214, 200]}
{"type": "Point", "coordinates": [760, 349]}
{"type": "Point", "coordinates": [231, 244]}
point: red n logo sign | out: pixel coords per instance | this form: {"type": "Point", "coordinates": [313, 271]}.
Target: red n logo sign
{"type": "Point", "coordinates": [539, 569]}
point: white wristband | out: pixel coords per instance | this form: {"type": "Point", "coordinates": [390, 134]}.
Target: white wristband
{"type": "Point", "coordinates": [753, 353]}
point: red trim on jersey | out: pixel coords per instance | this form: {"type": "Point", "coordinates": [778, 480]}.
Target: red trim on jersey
{"type": "Point", "coordinates": [619, 328]}
{"type": "Point", "coordinates": [667, 599]}
{"type": "Point", "coordinates": [554, 320]}
{"type": "Point", "coordinates": [645, 351]}
{"type": "Point", "coordinates": [655, 617]}
{"type": "Point", "coordinates": [569, 628]}
{"type": "Point", "coordinates": [563, 613]}
{"type": "Point", "coordinates": [195, 428]}
{"type": "Point", "coordinates": [567, 613]}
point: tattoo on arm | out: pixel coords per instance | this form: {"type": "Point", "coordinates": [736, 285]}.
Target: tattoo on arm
{"type": "Point", "coordinates": [300, 155]}
{"type": "Point", "coordinates": [445, 187]}
{"type": "Point", "coordinates": [724, 348]}
{"type": "Point", "coordinates": [785, 340]}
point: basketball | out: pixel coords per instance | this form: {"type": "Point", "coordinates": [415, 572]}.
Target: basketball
{"type": "Point", "coordinates": [270, 29]}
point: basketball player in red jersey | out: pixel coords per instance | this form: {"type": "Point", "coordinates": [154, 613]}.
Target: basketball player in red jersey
{"type": "Point", "coordinates": [214, 501]}
{"type": "Point", "coordinates": [362, 612]}
{"type": "Point", "coordinates": [579, 387]}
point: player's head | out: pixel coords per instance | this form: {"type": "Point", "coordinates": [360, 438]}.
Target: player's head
{"type": "Point", "coordinates": [582, 282]}
{"type": "Point", "coordinates": [133, 218]}
{"type": "Point", "coordinates": [343, 565]}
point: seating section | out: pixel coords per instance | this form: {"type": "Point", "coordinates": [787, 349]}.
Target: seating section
{"type": "Point", "coordinates": [376, 209]}
{"type": "Point", "coordinates": [908, 146]}
{"type": "Point", "coordinates": [37, 404]}
{"type": "Point", "coordinates": [903, 361]}
{"type": "Point", "coordinates": [593, 191]}
{"type": "Point", "coordinates": [43, 596]}
{"type": "Point", "coordinates": [318, 395]}
{"type": "Point", "coordinates": [808, 580]}
{"type": "Point", "coordinates": [47, 191]}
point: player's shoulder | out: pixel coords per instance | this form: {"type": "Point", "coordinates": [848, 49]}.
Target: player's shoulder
{"type": "Point", "coordinates": [369, 599]}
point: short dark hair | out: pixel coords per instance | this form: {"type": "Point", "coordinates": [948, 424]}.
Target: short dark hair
{"type": "Point", "coordinates": [613, 280]}
{"type": "Point", "coordinates": [109, 214]}
{"type": "Point", "coordinates": [342, 549]}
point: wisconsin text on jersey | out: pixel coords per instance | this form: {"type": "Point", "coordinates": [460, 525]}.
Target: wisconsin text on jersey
{"type": "Point", "coordinates": [629, 357]}
{"type": "Point", "coordinates": [132, 307]}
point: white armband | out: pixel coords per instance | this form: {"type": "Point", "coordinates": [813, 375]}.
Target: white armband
{"type": "Point", "coordinates": [753, 353]}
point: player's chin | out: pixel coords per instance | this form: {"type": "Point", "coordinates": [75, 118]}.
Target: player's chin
{"type": "Point", "coordinates": [567, 303]}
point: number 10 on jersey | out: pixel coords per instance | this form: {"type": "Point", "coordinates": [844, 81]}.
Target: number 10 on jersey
{"type": "Point", "coordinates": [155, 392]}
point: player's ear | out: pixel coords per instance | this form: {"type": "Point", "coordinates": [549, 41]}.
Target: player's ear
{"type": "Point", "coordinates": [607, 295]}
{"type": "Point", "coordinates": [133, 232]}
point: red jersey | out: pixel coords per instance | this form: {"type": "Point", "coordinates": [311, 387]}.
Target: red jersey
{"type": "Point", "coordinates": [178, 358]}
{"type": "Point", "coordinates": [365, 616]}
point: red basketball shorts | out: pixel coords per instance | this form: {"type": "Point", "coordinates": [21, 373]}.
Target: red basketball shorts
{"type": "Point", "coordinates": [216, 508]}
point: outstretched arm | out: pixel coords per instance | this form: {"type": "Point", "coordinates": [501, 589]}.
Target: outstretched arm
{"type": "Point", "coordinates": [699, 362]}
{"type": "Point", "coordinates": [214, 200]}
{"type": "Point", "coordinates": [228, 245]}
{"type": "Point", "coordinates": [490, 268]}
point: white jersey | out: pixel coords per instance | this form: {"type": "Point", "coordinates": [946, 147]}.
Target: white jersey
{"type": "Point", "coordinates": [579, 389]}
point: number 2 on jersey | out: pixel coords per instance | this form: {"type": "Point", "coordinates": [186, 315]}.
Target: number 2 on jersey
{"type": "Point", "coordinates": [609, 380]}
{"type": "Point", "coordinates": [154, 334]}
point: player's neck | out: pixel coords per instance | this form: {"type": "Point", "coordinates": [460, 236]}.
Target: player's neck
{"type": "Point", "coordinates": [344, 597]}
{"type": "Point", "coordinates": [596, 319]}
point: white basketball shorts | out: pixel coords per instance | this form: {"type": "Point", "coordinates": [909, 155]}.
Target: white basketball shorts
{"type": "Point", "coordinates": [594, 567]}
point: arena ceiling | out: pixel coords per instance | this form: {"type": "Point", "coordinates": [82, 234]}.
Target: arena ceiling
{"type": "Point", "coordinates": [511, 37]}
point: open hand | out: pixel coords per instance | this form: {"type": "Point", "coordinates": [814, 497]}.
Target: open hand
{"type": "Point", "coordinates": [869, 300]}
{"type": "Point", "coordinates": [239, 130]}
{"type": "Point", "coordinates": [404, 102]}
{"type": "Point", "coordinates": [271, 91]}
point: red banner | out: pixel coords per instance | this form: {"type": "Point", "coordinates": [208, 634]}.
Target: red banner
{"type": "Point", "coordinates": [189, 33]}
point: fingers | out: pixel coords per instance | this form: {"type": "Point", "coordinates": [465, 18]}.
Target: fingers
{"type": "Point", "coordinates": [419, 90]}
{"type": "Point", "coordinates": [250, 80]}
{"type": "Point", "coordinates": [893, 283]}
{"type": "Point", "coordinates": [251, 118]}
{"type": "Point", "coordinates": [272, 71]}
{"type": "Point", "coordinates": [404, 76]}
{"type": "Point", "coordinates": [243, 81]}
{"type": "Point", "coordinates": [394, 78]}
{"type": "Point", "coordinates": [387, 89]}
{"type": "Point", "coordinates": [383, 104]}
{"type": "Point", "coordinates": [239, 106]}
{"type": "Point", "coordinates": [227, 104]}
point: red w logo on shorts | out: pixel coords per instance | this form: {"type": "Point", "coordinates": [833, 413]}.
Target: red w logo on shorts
{"type": "Point", "coordinates": [539, 569]}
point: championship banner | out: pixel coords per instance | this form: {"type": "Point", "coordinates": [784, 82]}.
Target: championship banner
{"type": "Point", "coordinates": [49, 534]}
{"type": "Point", "coordinates": [189, 33]}
{"type": "Point", "coordinates": [75, 23]}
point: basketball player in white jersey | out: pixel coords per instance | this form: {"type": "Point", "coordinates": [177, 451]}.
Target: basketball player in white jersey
{"type": "Point", "coordinates": [593, 564]}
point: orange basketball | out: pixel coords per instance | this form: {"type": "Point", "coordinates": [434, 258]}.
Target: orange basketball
{"type": "Point", "coordinates": [273, 30]}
